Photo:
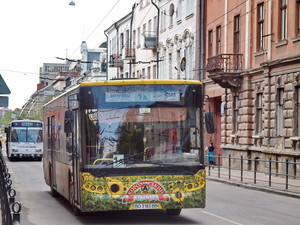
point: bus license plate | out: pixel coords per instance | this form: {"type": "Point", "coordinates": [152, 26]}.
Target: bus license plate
{"type": "Point", "coordinates": [145, 206]}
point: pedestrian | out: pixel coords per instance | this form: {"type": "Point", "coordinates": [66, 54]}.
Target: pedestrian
{"type": "Point", "coordinates": [211, 153]}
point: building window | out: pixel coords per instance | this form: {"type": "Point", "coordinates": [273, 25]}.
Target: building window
{"type": "Point", "coordinates": [189, 7]}
{"type": "Point", "coordinates": [122, 40]}
{"type": "Point", "coordinates": [155, 25]}
{"type": "Point", "coordinates": [170, 65]}
{"type": "Point", "coordinates": [297, 111]}
{"type": "Point", "coordinates": [279, 119]}
{"type": "Point", "coordinates": [127, 38]}
{"type": "Point", "coordinates": [171, 16]}
{"type": "Point", "coordinates": [148, 72]}
{"type": "Point", "coordinates": [235, 113]}
{"type": "Point", "coordinates": [258, 116]}
{"type": "Point", "coordinates": [218, 40]}
{"type": "Point", "coordinates": [139, 36]}
{"type": "Point", "coordinates": [179, 10]}
{"type": "Point", "coordinates": [298, 17]}
{"type": "Point", "coordinates": [133, 39]}
{"type": "Point", "coordinates": [210, 43]}
{"type": "Point", "coordinates": [236, 39]}
{"type": "Point", "coordinates": [154, 72]}
{"type": "Point", "coordinates": [178, 64]}
{"type": "Point", "coordinates": [283, 19]}
{"type": "Point", "coordinates": [163, 20]}
{"type": "Point", "coordinates": [260, 27]}
{"type": "Point", "coordinates": [144, 29]}
{"type": "Point", "coordinates": [150, 27]}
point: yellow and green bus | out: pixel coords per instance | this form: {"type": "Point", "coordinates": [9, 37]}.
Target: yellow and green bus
{"type": "Point", "coordinates": [126, 145]}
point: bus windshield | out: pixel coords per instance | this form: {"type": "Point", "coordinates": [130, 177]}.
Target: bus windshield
{"type": "Point", "coordinates": [27, 134]}
{"type": "Point", "coordinates": [138, 124]}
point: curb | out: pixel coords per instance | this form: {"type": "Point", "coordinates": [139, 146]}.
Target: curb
{"type": "Point", "coordinates": [259, 188]}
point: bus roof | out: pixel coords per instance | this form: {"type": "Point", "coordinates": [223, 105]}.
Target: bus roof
{"type": "Point", "coordinates": [26, 120]}
{"type": "Point", "coordinates": [139, 82]}
{"type": "Point", "coordinates": [125, 82]}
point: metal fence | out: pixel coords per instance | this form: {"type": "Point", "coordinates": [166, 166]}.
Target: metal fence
{"type": "Point", "coordinates": [283, 175]}
{"type": "Point", "coordinates": [10, 209]}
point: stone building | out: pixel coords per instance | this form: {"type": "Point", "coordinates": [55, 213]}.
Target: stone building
{"type": "Point", "coordinates": [253, 54]}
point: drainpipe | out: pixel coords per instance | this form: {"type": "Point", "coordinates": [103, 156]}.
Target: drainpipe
{"type": "Point", "coordinates": [157, 37]}
{"type": "Point", "coordinates": [200, 39]}
{"type": "Point", "coordinates": [117, 39]}
{"type": "Point", "coordinates": [107, 56]}
{"type": "Point", "coordinates": [130, 39]}
{"type": "Point", "coordinates": [200, 64]}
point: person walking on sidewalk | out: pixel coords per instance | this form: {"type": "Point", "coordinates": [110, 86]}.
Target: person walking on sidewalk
{"type": "Point", "coordinates": [211, 153]}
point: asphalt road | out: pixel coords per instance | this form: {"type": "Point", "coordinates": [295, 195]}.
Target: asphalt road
{"type": "Point", "coordinates": [226, 204]}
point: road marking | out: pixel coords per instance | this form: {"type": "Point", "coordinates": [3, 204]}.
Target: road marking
{"type": "Point", "coordinates": [220, 217]}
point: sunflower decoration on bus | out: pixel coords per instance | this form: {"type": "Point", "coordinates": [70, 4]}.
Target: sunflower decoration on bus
{"type": "Point", "coordinates": [178, 195]}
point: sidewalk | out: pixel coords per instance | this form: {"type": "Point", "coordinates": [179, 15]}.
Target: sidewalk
{"type": "Point", "coordinates": [278, 185]}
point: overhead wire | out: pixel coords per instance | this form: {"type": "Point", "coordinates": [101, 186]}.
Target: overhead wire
{"type": "Point", "coordinates": [103, 19]}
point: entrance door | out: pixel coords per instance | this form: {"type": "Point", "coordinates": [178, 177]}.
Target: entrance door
{"type": "Point", "coordinates": [51, 146]}
{"type": "Point", "coordinates": [76, 156]}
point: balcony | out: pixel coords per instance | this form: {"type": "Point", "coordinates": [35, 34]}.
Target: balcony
{"type": "Point", "coordinates": [115, 61]}
{"type": "Point", "coordinates": [225, 70]}
{"type": "Point", "coordinates": [150, 40]}
{"type": "Point", "coordinates": [130, 53]}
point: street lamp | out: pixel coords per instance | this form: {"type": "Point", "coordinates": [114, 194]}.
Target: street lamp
{"type": "Point", "coordinates": [72, 3]}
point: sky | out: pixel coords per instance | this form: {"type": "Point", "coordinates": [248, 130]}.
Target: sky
{"type": "Point", "coordinates": [33, 32]}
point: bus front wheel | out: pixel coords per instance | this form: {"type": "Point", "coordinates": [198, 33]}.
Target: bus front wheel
{"type": "Point", "coordinates": [174, 212]}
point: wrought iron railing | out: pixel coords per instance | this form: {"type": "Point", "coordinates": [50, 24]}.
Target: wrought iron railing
{"type": "Point", "coordinates": [281, 175]}
{"type": "Point", "coordinates": [10, 209]}
{"type": "Point", "coordinates": [226, 63]}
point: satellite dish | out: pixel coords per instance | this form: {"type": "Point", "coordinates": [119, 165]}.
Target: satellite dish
{"type": "Point", "coordinates": [171, 10]}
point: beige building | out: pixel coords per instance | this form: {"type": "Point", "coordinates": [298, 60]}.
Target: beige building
{"type": "Point", "coordinates": [253, 54]}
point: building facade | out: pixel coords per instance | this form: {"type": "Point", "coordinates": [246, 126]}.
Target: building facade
{"type": "Point", "coordinates": [156, 40]}
{"type": "Point", "coordinates": [253, 54]}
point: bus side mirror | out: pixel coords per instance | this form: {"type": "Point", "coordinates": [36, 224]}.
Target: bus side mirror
{"type": "Point", "coordinates": [209, 122]}
{"type": "Point", "coordinates": [68, 122]}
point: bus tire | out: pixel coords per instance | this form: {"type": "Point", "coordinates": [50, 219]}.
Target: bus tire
{"type": "Point", "coordinates": [173, 212]}
{"type": "Point", "coordinates": [53, 192]}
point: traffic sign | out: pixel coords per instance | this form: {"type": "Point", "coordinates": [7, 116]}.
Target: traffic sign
{"type": "Point", "coordinates": [3, 87]}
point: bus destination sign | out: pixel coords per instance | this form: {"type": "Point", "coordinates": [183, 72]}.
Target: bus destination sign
{"type": "Point", "coordinates": [142, 96]}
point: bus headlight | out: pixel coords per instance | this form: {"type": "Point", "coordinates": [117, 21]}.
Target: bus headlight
{"type": "Point", "coordinates": [38, 150]}
{"type": "Point", "coordinates": [14, 150]}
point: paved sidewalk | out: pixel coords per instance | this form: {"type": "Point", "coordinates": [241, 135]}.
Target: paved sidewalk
{"type": "Point", "coordinates": [278, 185]}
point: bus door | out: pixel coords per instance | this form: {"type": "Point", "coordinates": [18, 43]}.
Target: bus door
{"type": "Point", "coordinates": [51, 147]}
{"type": "Point", "coordinates": [76, 155]}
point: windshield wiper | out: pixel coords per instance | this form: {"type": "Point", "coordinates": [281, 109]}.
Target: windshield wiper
{"type": "Point", "coordinates": [31, 138]}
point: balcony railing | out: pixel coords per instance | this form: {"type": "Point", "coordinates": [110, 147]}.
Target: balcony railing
{"type": "Point", "coordinates": [115, 61]}
{"type": "Point", "coordinates": [150, 40]}
{"type": "Point", "coordinates": [225, 69]}
{"type": "Point", "coordinates": [226, 63]}
{"type": "Point", "coordinates": [129, 53]}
